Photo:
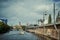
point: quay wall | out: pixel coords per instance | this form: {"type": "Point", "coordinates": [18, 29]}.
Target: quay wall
{"type": "Point", "coordinates": [49, 31]}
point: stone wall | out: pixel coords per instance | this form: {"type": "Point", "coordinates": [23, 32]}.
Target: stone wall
{"type": "Point", "coordinates": [48, 32]}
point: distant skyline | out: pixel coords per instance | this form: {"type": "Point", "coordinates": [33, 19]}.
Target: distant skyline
{"type": "Point", "coordinates": [26, 11]}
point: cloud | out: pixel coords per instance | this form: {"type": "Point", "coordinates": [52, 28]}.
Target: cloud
{"type": "Point", "coordinates": [42, 7]}
{"type": "Point", "coordinates": [56, 0]}
{"type": "Point", "coordinates": [25, 10]}
{"type": "Point", "coordinates": [13, 20]}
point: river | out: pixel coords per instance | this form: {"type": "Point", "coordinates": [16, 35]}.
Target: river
{"type": "Point", "coordinates": [14, 35]}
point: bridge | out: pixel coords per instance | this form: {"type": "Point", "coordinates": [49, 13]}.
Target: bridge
{"type": "Point", "coordinates": [50, 33]}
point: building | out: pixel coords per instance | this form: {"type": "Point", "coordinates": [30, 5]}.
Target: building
{"type": "Point", "coordinates": [58, 17]}
{"type": "Point", "coordinates": [3, 20]}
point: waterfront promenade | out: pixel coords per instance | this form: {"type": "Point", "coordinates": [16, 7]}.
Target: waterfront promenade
{"type": "Point", "coordinates": [50, 33]}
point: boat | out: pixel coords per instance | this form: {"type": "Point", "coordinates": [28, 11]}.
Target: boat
{"type": "Point", "coordinates": [21, 32]}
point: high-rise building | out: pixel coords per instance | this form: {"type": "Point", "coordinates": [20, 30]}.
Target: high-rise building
{"type": "Point", "coordinates": [58, 17]}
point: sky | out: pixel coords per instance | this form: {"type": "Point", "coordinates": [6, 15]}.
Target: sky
{"type": "Point", "coordinates": [26, 11]}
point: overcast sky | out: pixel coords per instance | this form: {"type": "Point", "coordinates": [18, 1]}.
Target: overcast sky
{"type": "Point", "coordinates": [26, 11]}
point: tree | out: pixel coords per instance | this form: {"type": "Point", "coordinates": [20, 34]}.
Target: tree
{"type": "Point", "coordinates": [49, 19]}
{"type": "Point", "coordinates": [23, 27]}
{"type": "Point", "coordinates": [4, 28]}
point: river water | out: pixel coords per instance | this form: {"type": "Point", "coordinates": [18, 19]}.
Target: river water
{"type": "Point", "coordinates": [14, 35]}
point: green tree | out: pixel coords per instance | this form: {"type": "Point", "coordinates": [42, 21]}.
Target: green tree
{"type": "Point", "coordinates": [49, 19]}
{"type": "Point", "coordinates": [23, 27]}
{"type": "Point", "coordinates": [4, 28]}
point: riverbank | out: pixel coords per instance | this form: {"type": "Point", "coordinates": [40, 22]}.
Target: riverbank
{"type": "Point", "coordinates": [50, 33]}
{"type": "Point", "coordinates": [38, 35]}
{"type": "Point", "coordinates": [44, 37]}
